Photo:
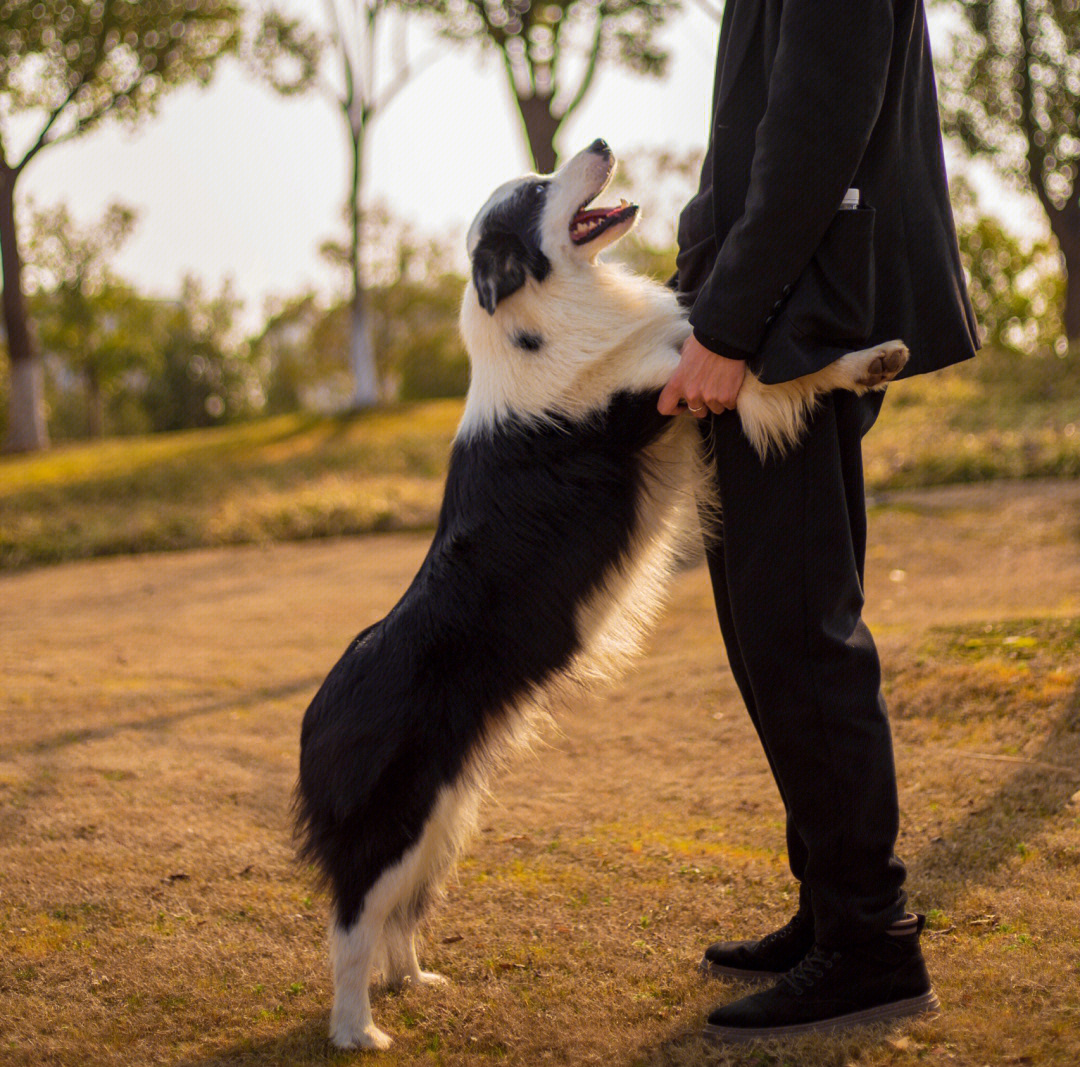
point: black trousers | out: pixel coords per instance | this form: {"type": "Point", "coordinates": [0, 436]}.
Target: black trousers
{"type": "Point", "coordinates": [787, 575]}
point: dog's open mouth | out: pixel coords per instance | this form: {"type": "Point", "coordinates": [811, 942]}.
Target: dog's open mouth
{"type": "Point", "coordinates": [589, 223]}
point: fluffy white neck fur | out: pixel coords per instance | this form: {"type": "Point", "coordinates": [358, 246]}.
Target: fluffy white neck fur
{"type": "Point", "coordinates": [602, 330]}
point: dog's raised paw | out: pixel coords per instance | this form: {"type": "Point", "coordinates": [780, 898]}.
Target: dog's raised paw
{"type": "Point", "coordinates": [885, 363]}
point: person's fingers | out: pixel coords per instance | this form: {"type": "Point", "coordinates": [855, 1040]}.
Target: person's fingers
{"type": "Point", "coordinates": [668, 404]}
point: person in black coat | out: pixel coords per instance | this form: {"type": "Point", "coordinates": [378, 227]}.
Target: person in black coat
{"type": "Point", "coordinates": [822, 225]}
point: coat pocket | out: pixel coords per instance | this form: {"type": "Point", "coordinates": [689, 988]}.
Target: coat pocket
{"type": "Point", "coordinates": [833, 301]}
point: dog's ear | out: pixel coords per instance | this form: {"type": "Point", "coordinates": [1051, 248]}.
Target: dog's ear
{"type": "Point", "coordinates": [499, 266]}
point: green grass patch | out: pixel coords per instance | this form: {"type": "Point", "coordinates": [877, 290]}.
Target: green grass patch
{"type": "Point", "coordinates": [287, 478]}
{"type": "Point", "coordinates": [301, 476]}
{"type": "Point", "coordinates": [1012, 639]}
{"type": "Point", "coordinates": [999, 415]}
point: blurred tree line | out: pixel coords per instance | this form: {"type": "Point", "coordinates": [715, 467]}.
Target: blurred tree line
{"type": "Point", "coordinates": [117, 361]}
{"type": "Point", "coordinates": [84, 347]}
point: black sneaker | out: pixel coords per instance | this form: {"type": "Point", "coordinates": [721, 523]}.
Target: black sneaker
{"type": "Point", "coordinates": [885, 979]}
{"type": "Point", "coordinates": [774, 955]}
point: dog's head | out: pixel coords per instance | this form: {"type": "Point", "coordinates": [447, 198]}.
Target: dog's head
{"type": "Point", "coordinates": [540, 223]}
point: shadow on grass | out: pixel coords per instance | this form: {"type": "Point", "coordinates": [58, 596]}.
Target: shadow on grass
{"type": "Point", "coordinates": [306, 1043]}
{"type": "Point", "coordinates": [160, 722]}
{"type": "Point", "coordinates": [1011, 820]}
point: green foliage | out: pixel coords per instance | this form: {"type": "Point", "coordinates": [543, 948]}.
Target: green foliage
{"type": "Point", "coordinates": [204, 377]}
{"type": "Point", "coordinates": [78, 62]}
{"type": "Point", "coordinates": [412, 301]}
{"type": "Point", "coordinates": [64, 67]}
{"type": "Point", "coordinates": [285, 52]}
{"type": "Point", "coordinates": [1010, 93]}
{"type": "Point", "coordinates": [85, 317]}
{"type": "Point", "coordinates": [301, 356]}
{"type": "Point", "coordinates": [1011, 89]}
{"type": "Point", "coordinates": [118, 362]}
{"type": "Point", "coordinates": [1016, 285]}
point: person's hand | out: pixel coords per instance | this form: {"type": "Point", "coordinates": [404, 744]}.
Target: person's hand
{"type": "Point", "coordinates": [705, 380]}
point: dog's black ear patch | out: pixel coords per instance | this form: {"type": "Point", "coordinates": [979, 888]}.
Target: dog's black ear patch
{"type": "Point", "coordinates": [498, 268]}
{"type": "Point", "coordinates": [527, 339]}
{"type": "Point", "coordinates": [509, 250]}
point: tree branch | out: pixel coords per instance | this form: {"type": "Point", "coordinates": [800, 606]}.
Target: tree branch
{"type": "Point", "coordinates": [590, 70]}
{"type": "Point", "coordinates": [403, 77]}
{"type": "Point", "coordinates": [42, 139]}
{"type": "Point", "coordinates": [1036, 154]}
{"type": "Point", "coordinates": [496, 35]}
{"type": "Point", "coordinates": [714, 11]}
{"type": "Point", "coordinates": [346, 61]}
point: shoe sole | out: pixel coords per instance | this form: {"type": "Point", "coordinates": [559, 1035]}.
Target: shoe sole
{"type": "Point", "coordinates": [898, 1009]}
{"type": "Point", "coordinates": [717, 970]}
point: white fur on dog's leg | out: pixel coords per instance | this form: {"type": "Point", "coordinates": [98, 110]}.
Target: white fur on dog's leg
{"type": "Point", "coordinates": [429, 978]}
{"type": "Point", "coordinates": [774, 416]}
{"type": "Point", "coordinates": [352, 953]}
{"type": "Point", "coordinates": [418, 976]}
{"type": "Point", "coordinates": [404, 966]}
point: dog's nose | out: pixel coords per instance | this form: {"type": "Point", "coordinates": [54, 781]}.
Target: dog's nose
{"type": "Point", "coordinates": [600, 147]}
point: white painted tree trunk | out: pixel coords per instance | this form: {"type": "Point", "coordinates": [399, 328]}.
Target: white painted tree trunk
{"type": "Point", "coordinates": [362, 360]}
{"type": "Point", "coordinates": [27, 430]}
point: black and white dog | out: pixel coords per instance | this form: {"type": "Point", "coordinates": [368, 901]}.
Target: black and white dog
{"type": "Point", "coordinates": [567, 498]}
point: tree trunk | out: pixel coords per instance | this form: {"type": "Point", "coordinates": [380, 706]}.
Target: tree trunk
{"type": "Point", "coordinates": [95, 404]}
{"type": "Point", "coordinates": [541, 126]}
{"type": "Point", "coordinates": [361, 350]}
{"type": "Point", "coordinates": [27, 431]}
{"type": "Point", "coordinates": [1066, 227]}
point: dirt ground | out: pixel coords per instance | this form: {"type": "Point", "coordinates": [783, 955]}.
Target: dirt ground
{"type": "Point", "coordinates": [151, 910]}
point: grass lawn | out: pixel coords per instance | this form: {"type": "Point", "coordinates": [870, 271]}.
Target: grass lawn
{"type": "Point", "coordinates": [299, 476]}
{"type": "Point", "coordinates": [151, 910]}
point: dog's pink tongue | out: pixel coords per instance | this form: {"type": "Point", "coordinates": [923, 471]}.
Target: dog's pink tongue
{"type": "Point", "coordinates": [587, 214]}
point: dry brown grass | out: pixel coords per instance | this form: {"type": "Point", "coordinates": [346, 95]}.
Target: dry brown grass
{"type": "Point", "coordinates": [151, 912]}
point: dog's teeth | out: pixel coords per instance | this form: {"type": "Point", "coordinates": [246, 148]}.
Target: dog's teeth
{"type": "Point", "coordinates": [623, 202]}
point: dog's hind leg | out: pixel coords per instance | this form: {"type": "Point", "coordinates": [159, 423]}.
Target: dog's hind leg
{"type": "Point", "coordinates": [384, 930]}
{"type": "Point", "coordinates": [870, 368]}
{"type": "Point", "coordinates": [402, 964]}
{"type": "Point", "coordinates": [353, 951]}
{"type": "Point", "coordinates": [429, 865]}
{"type": "Point", "coordinates": [774, 416]}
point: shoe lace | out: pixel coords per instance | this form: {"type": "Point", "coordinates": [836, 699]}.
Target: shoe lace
{"type": "Point", "coordinates": [795, 923]}
{"type": "Point", "coordinates": [809, 969]}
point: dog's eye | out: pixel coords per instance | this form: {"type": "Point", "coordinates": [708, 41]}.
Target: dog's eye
{"type": "Point", "coordinates": [539, 187]}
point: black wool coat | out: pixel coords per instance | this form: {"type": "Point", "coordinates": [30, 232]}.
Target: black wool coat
{"type": "Point", "coordinates": [813, 97]}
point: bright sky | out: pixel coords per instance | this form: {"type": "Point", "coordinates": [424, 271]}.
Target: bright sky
{"type": "Point", "coordinates": [238, 182]}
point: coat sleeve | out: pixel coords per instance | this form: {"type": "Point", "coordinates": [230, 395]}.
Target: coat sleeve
{"type": "Point", "coordinates": [825, 91]}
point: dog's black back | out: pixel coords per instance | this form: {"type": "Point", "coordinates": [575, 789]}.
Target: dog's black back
{"type": "Point", "coordinates": [536, 516]}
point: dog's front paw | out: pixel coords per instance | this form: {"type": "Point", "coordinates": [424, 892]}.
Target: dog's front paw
{"type": "Point", "coordinates": [882, 364]}
{"type": "Point", "coordinates": [370, 1036]}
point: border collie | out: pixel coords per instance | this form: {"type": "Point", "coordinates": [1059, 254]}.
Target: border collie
{"type": "Point", "coordinates": [567, 499]}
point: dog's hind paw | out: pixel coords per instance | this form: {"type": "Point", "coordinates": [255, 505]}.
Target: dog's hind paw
{"type": "Point", "coordinates": [883, 364]}
{"type": "Point", "coordinates": [370, 1036]}
{"type": "Point", "coordinates": [430, 978]}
